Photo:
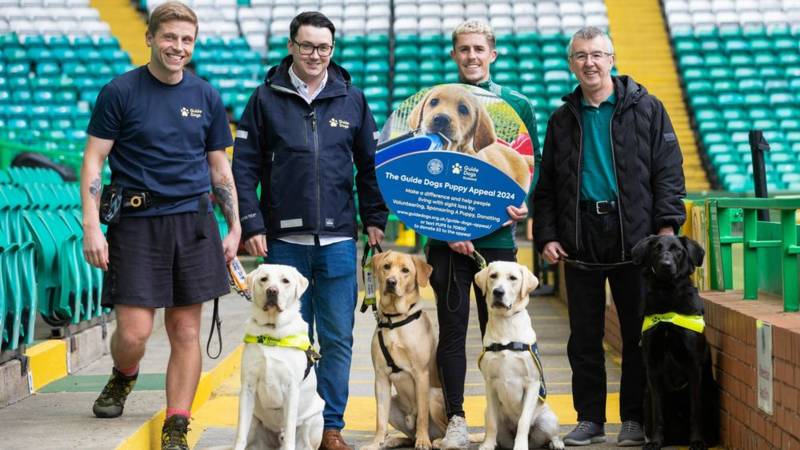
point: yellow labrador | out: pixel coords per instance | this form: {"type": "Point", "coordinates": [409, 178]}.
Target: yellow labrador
{"type": "Point", "coordinates": [278, 404]}
{"type": "Point", "coordinates": [516, 413]}
{"type": "Point", "coordinates": [404, 356]}
{"type": "Point", "coordinates": [454, 112]}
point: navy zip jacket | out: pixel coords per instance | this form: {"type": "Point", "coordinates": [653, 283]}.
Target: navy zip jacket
{"type": "Point", "coordinates": [303, 157]}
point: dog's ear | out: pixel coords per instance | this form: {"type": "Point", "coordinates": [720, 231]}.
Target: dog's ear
{"type": "Point", "coordinates": [694, 250]}
{"type": "Point", "coordinates": [481, 278]}
{"type": "Point", "coordinates": [529, 282]}
{"type": "Point", "coordinates": [641, 249]}
{"type": "Point", "coordinates": [415, 116]}
{"type": "Point", "coordinates": [424, 270]}
{"type": "Point", "coordinates": [484, 128]}
{"type": "Point", "coordinates": [377, 260]}
{"type": "Point", "coordinates": [301, 283]}
{"type": "Point", "coordinates": [250, 278]}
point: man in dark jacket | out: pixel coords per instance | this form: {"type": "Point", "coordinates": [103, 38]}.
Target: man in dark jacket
{"type": "Point", "coordinates": [299, 136]}
{"type": "Point", "coordinates": [611, 175]}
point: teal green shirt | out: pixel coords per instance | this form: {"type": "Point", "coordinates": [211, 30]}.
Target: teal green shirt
{"type": "Point", "coordinates": [598, 181]}
{"type": "Point", "coordinates": [504, 237]}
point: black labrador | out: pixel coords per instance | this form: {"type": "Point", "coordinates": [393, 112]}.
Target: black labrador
{"type": "Point", "coordinates": [681, 397]}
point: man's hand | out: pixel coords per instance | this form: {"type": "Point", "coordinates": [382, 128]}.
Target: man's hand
{"type": "Point", "coordinates": [553, 252]}
{"type": "Point", "coordinates": [462, 247]}
{"type": "Point", "coordinates": [230, 245]}
{"type": "Point", "coordinates": [95, 248]}
{"type": "Point", "coordinates": [256, 245]}
{"type": "Point", "coordinates": [374, 235]}
{"type": "Point", "coordinates": [516, 213]}
{"type": "Point", "coordinates": [666, 231]}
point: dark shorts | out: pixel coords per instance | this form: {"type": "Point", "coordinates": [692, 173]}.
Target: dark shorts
{"type": "Point", "coordinates": [160, 262]}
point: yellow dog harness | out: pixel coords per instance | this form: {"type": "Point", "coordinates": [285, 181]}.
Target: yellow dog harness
{"type": "Point", "coordinates": [298, 341]}
{"type": "Point", "coordinates": [693, 323]}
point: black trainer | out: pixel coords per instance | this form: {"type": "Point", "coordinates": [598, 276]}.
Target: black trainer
{"type": "Point", "coordinates": [111, 401]}
{"type": "Point", "coordinates": [173, 434]}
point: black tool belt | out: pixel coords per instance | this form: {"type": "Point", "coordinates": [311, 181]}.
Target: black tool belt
{"type": "Point", "coordinates": [141, 200]}
{"type": "Point", "coordinates": [115, 199]}
{"type": "Point", "coordinates": [599, 208]}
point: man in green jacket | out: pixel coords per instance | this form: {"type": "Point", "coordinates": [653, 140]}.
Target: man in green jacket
{"type": "Point", "coordinates": [453, 264]}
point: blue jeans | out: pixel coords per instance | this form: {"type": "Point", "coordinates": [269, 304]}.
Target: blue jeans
{"type": "Point", "coordinates": [329, 303]}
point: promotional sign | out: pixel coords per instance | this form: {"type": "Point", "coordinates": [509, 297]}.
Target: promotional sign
{"type": "Point", "coordinates": [451, 159]}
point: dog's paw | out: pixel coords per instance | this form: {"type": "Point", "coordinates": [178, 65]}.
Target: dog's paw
{"type": "Point", "coordinates": [372, 446]}
{"type": "Point", "coordinates": [697, 445]}
{"type": "Point", "coordinates": [422, 444]}
{"type": "Point", "coordinates": [556, 444]}
{"type": "Point", "coordinates": [397, 442]}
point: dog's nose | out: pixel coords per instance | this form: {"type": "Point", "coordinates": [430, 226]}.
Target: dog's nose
{"type": "Point", "coordinates": [391, 283]}
{"type": "Point", "coordinates": [498, 292]}
{"type": "Point", "coordinates": [272, 296]}
{"type": "Point", "coordinates": [440, 121]}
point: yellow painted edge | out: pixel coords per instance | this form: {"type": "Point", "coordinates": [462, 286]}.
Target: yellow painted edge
{"type": "Point", "coordinates": [47, 362]}
{"type": "Point", "coordinates": [148, 436]}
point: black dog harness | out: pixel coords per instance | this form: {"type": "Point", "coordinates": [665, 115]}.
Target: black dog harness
{"type": "Point", "coordinates": [533, 349]}
{"type": "Point", "coordinates": [392, 325]}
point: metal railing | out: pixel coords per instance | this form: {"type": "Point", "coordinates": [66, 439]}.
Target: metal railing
{"type": "Point", "coordinates": [722, 212]}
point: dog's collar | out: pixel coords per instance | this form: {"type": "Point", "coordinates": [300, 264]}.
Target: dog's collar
{"type": "Point", "coordinates": [391, 325]}
{"type": "Point", "coordinates": [693, 323]}
{"type": "Point", "coordinates": [533, 349]}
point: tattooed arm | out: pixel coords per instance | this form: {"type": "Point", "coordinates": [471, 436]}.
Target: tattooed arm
{"type": "Point", "coordinates": [95, 247]}
{"type": "Point", "coordinates": [225, 193]}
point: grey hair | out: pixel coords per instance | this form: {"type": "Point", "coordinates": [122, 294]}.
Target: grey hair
{"type": "Point", "coordinates": [587, 34]}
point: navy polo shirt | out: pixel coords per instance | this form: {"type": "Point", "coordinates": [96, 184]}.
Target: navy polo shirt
{"type": "Point", "coordinates": [161, 134]}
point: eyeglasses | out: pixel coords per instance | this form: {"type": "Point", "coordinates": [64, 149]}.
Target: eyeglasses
{"type": "Point", "coordinates": [583, 57]}
{"type": "Point", "coordinates": [307, 49]}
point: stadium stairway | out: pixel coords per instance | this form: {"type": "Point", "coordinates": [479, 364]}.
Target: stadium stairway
{"type": "Point", "coordinates": [643, 51]}
{"type": "Point", "coordinates": [127, 25]}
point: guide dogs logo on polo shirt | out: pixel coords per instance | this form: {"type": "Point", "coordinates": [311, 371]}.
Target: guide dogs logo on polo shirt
{"type": "Point", "coordinates": [191, 112]}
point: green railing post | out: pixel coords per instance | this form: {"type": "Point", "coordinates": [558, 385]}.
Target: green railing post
{"type": "Point", "coordinates": [726, 246]}
{"type": "Point", "coordinates": [791, 293]}
{"type": "Point", "coordinates": [750, 253]}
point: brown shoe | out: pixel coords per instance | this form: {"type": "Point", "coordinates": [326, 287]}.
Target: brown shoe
{"type": "Point", "coordinates": [333, 440]}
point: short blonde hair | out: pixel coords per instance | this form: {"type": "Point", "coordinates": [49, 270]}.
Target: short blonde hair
{"type": "Point", "coordinates": [475, 27]}
{"type": "Point", "coordinates": [170, 11]}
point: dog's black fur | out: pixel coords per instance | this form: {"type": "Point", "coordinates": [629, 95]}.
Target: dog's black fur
{"type": "Point", "coordinates": [681, 397]}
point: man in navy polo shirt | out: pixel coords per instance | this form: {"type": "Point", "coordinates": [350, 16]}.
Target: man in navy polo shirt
{"type": "Point", "coordinates": [164, 132]}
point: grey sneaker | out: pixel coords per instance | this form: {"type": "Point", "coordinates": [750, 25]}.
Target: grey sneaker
{"type": "Point", "coordinates": [585, 433]}
{"type": "Point", "coordinates": [456, 437]}
{"type": "Point", "coordinates": [630, 434]}
{"type": "Point", "coordinates": [111, 401]}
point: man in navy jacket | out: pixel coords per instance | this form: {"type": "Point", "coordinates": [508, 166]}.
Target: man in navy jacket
{"type": "Point", "coordinates": [299, 136]}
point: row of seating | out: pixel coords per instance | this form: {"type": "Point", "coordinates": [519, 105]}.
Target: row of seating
{"type": "Point", "coordinates": [742, 78]}
{"type": "Point", "coordinates": [44, 269]}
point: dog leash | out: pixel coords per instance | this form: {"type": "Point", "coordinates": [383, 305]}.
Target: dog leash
{"type": "Point", "coordinates": [215, 322]}
{"type": "Point", "coordinates": [238, 280]}
{"type": "Point", "coordinates": [591, 266]}
{"type": "Point", "coordinates": [370, 295]}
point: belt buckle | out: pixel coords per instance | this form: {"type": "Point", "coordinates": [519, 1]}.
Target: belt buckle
{"type": "Point", "coordinates": [597, 207]}
{"type": "Point", "coordinates": [136, 201]}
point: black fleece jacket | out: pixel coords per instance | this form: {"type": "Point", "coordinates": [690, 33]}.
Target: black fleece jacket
{"type": "Point", "coordinates": [647, 163]}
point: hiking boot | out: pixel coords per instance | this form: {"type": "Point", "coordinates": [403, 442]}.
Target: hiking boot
{"type": "Point", "coordinates": [111, 401]}
{"type": "Point", "coordinates": [585, 433]}
{"type": "Point", "coordinates": [456, 437]}
{"type": "Point", "coordinates": [630, 434]}
{"type": "Point", "coordinates": [173, 434]}
{"type": "Point", "coordinates": [333, 440]}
